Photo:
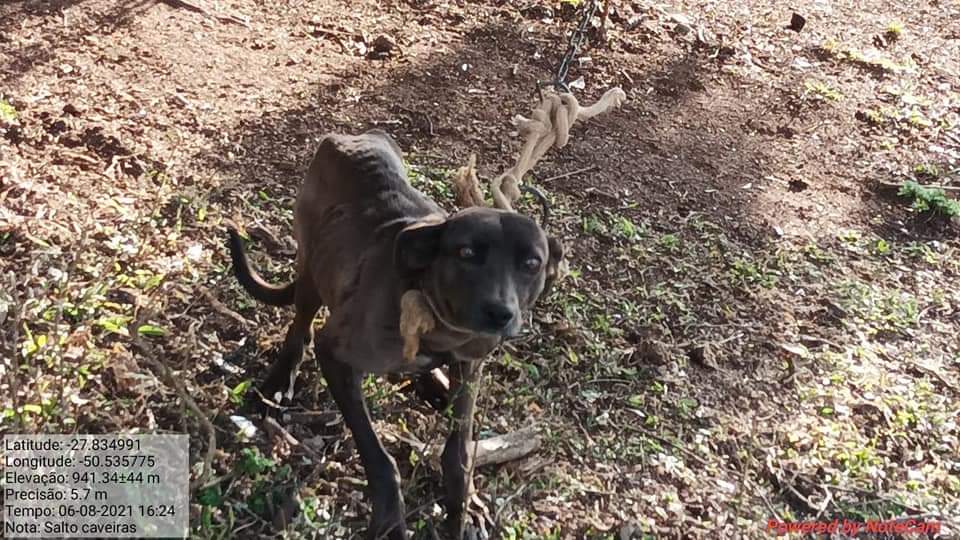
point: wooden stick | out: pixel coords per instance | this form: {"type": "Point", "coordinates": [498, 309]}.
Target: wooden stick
{"type": "Point", "coordinates": [571, 173]}
{"type": "Point", "coordinates": [493, 451]}
{"type": "Point", "coordinates": [507, 447]}
{"type": "Point", "coordinates": [220, 308]}
{"type": "Point", "coordinates": [931, 186]}
{"type": "Point", "coordinates": [271, 426]}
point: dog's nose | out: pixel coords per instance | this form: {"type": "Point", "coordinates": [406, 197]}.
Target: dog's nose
{"type": "Point", "coordinates": [497, 315]}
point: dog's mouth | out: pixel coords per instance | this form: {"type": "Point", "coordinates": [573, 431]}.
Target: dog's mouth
{"type": "Point", "coordinates": [484, 328]}
{"type": "Point", "coordinates": [445, 314]}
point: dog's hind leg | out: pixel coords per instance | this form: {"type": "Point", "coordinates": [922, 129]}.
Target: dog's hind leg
{"type": "Point", "coordinates": [456, 460]}
{"type": "Point", "coordinates": [388, 520]}
{"type": "Point", "coordinates": [307, 303]}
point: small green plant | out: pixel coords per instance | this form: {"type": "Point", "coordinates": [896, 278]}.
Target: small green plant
{"type": "Point", "coordinates": [594, 225]}
{"type": "Point", "coordinates": [922, 251]}
{"type": "Point", "coordinates": [873, 309]}
{"type": "Point", "coordinates": [253, 463]}
{"type": "Point", "coordinates": [814, 252]}
{"type": "Point", "coordinates": [881, 247]}
{"type": "Point", "coordinates": [832, 49]}
{"type": "Point", "coordinates": [669, 241]}
{"type": "Point", "coordinates": [926, 170]}
{"type": "Point", "coordinates": [874, 117]}
{"type": "Point", "coordinates": [927, 199]}
{"type": "Point", "coordinates": [857, 462]}
{"type": "Point", "coordinates": [626, 229]}
{"type": "Point", "coordinates": [822, 90]}
{"type": "Point", "coordinates": [238, 392]}
{"type": "Point", "coordinates": [211, 496]}
{"type": "Point", "coordinates": [433, 181]}
{"type": "Point", "coordinates": [746, 272]}
{"type": "Point", "coordinates": [918, 120]}
{"type": "Point", "coordinates": [849, 236]}
{"type": "Point", "coordinates": [894, 30]}
{"type": "Point", "coordinates": [8, 113]}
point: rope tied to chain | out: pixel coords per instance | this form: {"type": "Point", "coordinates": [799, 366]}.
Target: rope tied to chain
{"type": "Point", "coordinates": [548, 126]}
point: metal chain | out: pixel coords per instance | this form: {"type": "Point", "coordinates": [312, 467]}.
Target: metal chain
{"type": "Point", "coordinates": [573, 46]}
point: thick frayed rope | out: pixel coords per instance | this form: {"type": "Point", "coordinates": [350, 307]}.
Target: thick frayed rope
{"type": "Point", "coordinates": [548, 126]}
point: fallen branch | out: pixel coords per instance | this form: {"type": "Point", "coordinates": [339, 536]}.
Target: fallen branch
{"type": "Point", "coordinates": [162, 372]}
{"type": "Point", "coordinates": [493, 451]}
{"type": "Point", "coordinates": [508, 447]}
{"type": "Point", "coordinates": [899, 185]}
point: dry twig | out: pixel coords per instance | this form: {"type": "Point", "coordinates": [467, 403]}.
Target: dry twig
{"type": "Point", "coordinates": [571, 173]}
{"type": "Point", "coordinates": [220, 308]}
{"type": "Point", "coordinates": [899, 185]}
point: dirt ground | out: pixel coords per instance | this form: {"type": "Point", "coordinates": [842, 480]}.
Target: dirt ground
{"type": "Point", "coordinates": [755, 325]}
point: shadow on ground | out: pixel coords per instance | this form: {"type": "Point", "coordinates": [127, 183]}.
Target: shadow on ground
{"type": "Point", "coordinates": [78, 23]}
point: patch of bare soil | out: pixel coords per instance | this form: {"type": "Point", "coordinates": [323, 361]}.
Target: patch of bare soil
{"type": "Point", "coordinates": [756, 326]}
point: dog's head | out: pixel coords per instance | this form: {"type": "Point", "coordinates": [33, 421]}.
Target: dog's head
{"type": "Point", "coordinates": [480, 268]}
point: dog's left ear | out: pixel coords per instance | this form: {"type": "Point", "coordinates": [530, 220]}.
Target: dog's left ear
{"type": "Point", "coordinates": [554, 262]}
{"type": "Point", "coordinates": [417, 245]}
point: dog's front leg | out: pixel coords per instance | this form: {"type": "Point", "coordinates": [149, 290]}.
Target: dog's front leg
{"type": "Point", "coordinates": [457, 457]}
{"type": "Point", "coordinates": [383, 478]}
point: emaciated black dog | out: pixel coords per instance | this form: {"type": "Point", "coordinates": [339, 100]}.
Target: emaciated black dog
{"type": "Point", "coordinates": [365, 236]}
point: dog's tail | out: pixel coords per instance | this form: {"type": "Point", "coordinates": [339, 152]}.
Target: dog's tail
{"type": "Point", "coordinates": [274, 295]}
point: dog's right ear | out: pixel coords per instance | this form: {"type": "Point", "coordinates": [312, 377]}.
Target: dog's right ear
{"type": "Point", "coordinates": [554, 265]}
{"type": "Point", "coordinates": [417, 245]}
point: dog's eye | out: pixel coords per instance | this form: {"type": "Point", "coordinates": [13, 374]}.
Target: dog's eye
{"type": "Point", "coordinates": [532, 264]}
{"type": "Point", "coordinates": [466, 252]}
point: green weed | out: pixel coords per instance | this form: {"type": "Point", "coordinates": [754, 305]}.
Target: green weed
{"type": "Point", "coordinates": [894, 30]}
{"type": "Point", "coordinates": [929, 200]}
{"type": "Point", "coordinates": [8, 113]}
{"type": "Point", "coordinates": [822, 90]}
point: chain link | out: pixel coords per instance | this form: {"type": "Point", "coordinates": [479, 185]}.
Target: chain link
{"type": "Point", "coordinates": [573, 46]}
